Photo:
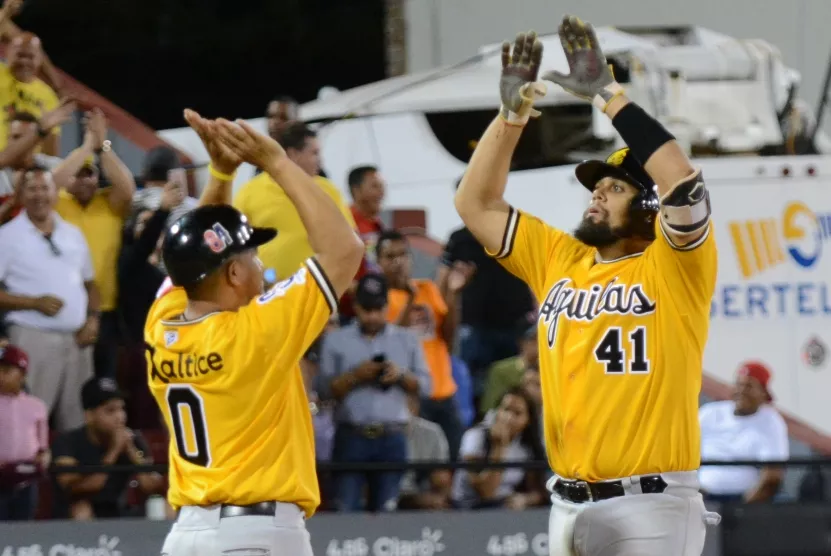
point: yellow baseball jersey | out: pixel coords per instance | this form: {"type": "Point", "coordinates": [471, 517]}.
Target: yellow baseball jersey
{"type": "Point", "coordinates": [230, 389]}
{"type": "Point", "coordinates": [621, 345]}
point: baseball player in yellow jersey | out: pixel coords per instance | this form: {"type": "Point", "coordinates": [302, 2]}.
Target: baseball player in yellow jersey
{"type": "Point", "coordinates": [624, 311]}
{"type": "Point", "coordinates": [223, 358]}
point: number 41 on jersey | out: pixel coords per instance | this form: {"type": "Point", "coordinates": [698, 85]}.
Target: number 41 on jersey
{"type": "Point", "coordinates": [612, 352]}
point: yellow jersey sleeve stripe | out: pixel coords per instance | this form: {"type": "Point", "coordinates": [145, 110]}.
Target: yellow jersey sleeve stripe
{"type": "Point", "coordinates": [688, 247]}
{"type": "Point", "coordinates": [323, 283]}
{"type": "Point", "coordinates": [508, 236]}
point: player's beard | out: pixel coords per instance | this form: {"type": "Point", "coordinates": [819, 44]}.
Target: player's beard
{"type": "Point", "coordinates": [596, 234]}
{"type": "Point", "coordinates": [601, 234]}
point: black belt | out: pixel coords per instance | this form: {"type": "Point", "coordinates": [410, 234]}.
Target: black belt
{"type": "Point", "coordinates": [267, 509]}
{"type": "Point", "coordinates": [376, 429]}
{"type": "Point", "coordinates": [580, 492]}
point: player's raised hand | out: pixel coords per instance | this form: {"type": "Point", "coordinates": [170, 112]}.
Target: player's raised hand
{"type": "Point", "coordinates": [223, 158]}
{"type": "Point", "coordinates": [249, 144]}
{"type": "Point", "coordinates": [518, 85]}
{"type": "Point", "coordinates": [589, 74]}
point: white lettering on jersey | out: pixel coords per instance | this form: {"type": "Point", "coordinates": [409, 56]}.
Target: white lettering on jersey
{"type": "Point", "coordinates": [279, 289]}
{"type": "Point", "coordinates": [585, 305]}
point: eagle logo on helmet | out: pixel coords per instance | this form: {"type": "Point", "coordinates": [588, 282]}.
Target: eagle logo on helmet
{"type": "Point", "coordinates": [617, 157]}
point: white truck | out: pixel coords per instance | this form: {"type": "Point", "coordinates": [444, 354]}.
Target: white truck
{"type": "Point", "coordinates": [734, 104]}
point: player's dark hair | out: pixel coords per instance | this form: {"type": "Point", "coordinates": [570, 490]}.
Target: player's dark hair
{"type": "Point", "coordinates": [357, 174]}
{"type": "Point", "coordinates": [385, 237]}
{"type": "Point", "coordinates": [295, 136]}
{"type": "Point", "coordinates": [26, 117]}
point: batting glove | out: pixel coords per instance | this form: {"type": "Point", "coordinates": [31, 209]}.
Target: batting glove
{"type": "Point", "coordinates": [518, 85]}
{"type": "Point", "coordinates": [590, 76]}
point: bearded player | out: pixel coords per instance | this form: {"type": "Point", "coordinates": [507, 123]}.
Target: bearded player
{"type": "Point", "coordinates": [624, 310]}
{"type": "Point", "coordinates": [223, 358]}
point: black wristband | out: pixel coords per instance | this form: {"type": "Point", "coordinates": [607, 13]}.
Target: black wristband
{"type": "Point", "coordinates": [642, 133]}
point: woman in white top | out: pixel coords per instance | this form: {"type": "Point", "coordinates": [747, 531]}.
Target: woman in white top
{"type": "Point", "coordinates": [512, 435]}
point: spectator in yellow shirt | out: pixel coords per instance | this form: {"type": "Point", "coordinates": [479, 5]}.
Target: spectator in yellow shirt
{"type": "Point", "coordinates": [22, 91]}
{"type": "Point", "coordinates": [99, 213]}
{"type": "Point", "coordinates": [266, 205]}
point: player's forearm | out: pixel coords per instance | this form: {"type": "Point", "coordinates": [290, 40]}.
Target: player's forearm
{"type": "Point", "coordinates": [217, 191]}
{"type": "Point", "coordinates": [487, 173]}
{"type": "Point", "coordinates": [663, 158]}
{"type": "Point", "coordinates": [327, 228]}
{"type": "Point", "coordinates": [338, 248]}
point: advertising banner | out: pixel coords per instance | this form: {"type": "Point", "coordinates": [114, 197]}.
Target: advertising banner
{"type": "Point", "coordinates": [482, 533]}
{"type": "Point", "coordinates": [773, 298]}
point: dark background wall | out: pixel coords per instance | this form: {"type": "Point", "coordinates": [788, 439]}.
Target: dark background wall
{"type": "Point", "coordinates": [156, 57]}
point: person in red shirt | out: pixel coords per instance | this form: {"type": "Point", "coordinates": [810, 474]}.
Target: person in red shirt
{"type": "Point", "coordinates": [366, 186]}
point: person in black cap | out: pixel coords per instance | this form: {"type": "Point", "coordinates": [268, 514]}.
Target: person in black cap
{"type": "Point", "coordinates": [103, 440]}
{"type": "Point", "coordinates": [369, 368]}
{"type": "Point", "coordinates": [227, 353]}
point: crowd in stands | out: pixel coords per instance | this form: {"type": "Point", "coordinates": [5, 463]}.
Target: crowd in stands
{"type": "Point", "coordinates": [410, 369]}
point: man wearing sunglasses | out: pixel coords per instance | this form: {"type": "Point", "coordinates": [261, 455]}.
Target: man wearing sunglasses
{"type": "Point", "coordinates": [52, 302]}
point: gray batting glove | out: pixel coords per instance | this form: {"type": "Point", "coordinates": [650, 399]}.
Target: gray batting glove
{"type": "Point", "coordinates": [518, 85]}
{"type": "Point", "coordinates": [590, 76]}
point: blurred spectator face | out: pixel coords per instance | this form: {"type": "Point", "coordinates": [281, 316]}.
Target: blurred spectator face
{"type": "Point", "coordinates": [749, 394]}
{"type": "Point", "coordinates": [11, 379]}
{"type": "Point", "coordinates": [530, 352]}
{"type": "Point", "coordinates": [108, 417]}
{"type": "Point", "coordinates": [25, 57]}
{"type": "Point", "coordinates": [17, 130]}
{"type": "Point", "coordinates": [37, 194]}
{"type": "Point", "coordinates": [279, 114]}
{"type": "Point", "coordinates": [531, 384]}
{"type": "Point", "coordinates": [371, 321]}
{"type": "Point", "coordinates": [308, 158]}
{"type": "Point", "coordinates": [369, 195]}
{"type": "Point", "coordinates": [513, 411]}
{"type": "Point", "coordinates": [84, 185]}
{"type": "Point", "coordinates": [395, 261]}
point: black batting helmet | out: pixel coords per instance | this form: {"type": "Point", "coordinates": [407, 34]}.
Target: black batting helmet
{"type": "Point", "coordinates": [623, 165]}
{"type": "Point", "coordinates": [202, 240]}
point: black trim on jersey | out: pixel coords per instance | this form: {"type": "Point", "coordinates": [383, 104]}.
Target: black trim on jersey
{"type": "Point", "coordinates": [509, 235]}
{"type": "Point", "coordinates": [690, 246]}
{"type": "Point", "coordinates": [323, 283]}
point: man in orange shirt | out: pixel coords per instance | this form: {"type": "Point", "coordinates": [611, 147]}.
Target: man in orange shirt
{"type": "Point", "coordinates": [419, 305]}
